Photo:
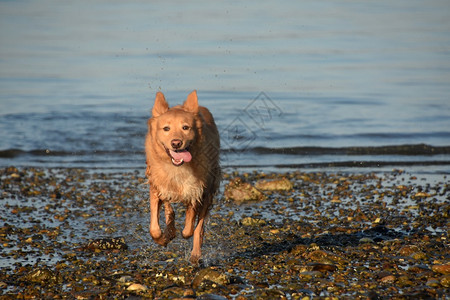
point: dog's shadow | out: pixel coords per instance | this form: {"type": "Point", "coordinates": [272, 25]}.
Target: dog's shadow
{"type": "Point", "coordinates": [375, 234]}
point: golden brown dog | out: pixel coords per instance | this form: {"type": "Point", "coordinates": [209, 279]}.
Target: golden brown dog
{"type": "Point", "coordinates": [182, 148]}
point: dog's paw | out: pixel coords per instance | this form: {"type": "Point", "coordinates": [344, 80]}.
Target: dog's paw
{"type": "Point", "coordinates": [195, 259]}
{"type": "Point", "coordinates": [187, 233]}
{"type": "Point", "coordinates": [156, 233]}
{"type": "Point", "coordinates": [161, 241]}
{"type": "Point", "coordinates": [169, 235]}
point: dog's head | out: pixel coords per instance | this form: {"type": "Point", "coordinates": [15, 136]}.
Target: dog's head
{"type": "Point", "coordinates": [175, 129]}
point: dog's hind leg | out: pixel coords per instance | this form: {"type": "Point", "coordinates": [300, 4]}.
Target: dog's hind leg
{"type": "Point", "coordinates": [188, 230]}
{"type": "Point", "coordinates": [170, 231]}
{"type": "Point", "coordinates": [198, 233]}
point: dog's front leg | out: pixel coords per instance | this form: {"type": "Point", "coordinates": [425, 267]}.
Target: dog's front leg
{"type": "Point", "coordinates": [170, 231]}
{"type": "Point", "coordinates": [188, 230]}
{"type": "Point", "coordinates": [155, 208]}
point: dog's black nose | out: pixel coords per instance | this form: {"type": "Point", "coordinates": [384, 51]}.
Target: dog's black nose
{"type": "Point", "coordinates": [176, 144]}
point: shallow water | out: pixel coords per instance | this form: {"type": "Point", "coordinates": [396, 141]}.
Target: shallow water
{"type": "Point", "coordinates": [77, 80]}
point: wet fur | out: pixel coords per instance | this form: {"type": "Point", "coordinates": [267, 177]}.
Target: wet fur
{"type": "Point", "coordinates": [193, 183]}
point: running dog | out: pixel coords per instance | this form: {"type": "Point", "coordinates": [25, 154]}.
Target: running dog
{"type": "Point", "coordinates": [182, 154]}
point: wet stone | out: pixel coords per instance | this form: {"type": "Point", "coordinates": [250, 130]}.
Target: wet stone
{"type": "Point", "coordinates": [418, 255]}
{"type": "Point", "coordinates": [324, 268]}
{"type": "Point", "coordinates": [404, 281]}
{"type": "Point", "coordinates": [174, 292]}
{"type": "Point", "coordinates": [388, 279]}
{"type": "Point", "coordinates": [326, 257]}
{"type": "Point", "coordinates": [137, 287]}
{"type": "Point", "coordinates": [445, 281]}
{"type": "Point", "coordinates": [433, 282]}
{"type": "Point", "coordinates": [443, 269]}
{"type": "Point", "coordinates": [366, 240]}
{"type": "Point", "coordinates": [408, 250]}
{"type": "Point", "coordinates": [211, 297]}
{"type": "Point", "coordinates": [269, 294]}
{"type": "Point", "coordinates": [417, 269]}
{"type": "Point", "coordinates": [309, 275]}
{"type": "Point", "coordinates": [299, 250]}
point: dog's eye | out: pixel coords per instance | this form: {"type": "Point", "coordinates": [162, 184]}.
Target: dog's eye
{"type": "Point", "coordinates": [166, 128]}
{"type": "Point", "coordinates": [185, 127]}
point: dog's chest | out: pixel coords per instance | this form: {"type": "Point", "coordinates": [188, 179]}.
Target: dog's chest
{"type": "Point", "coordinates": [180, 185]}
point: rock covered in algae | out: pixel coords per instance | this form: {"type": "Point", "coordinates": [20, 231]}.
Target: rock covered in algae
{"type": "Point", "coordinates": [240, 191]}
{"type": "Point", "coordinates": [40, 275]}
{"type": "Point", "coordinates": [117, 243]}
{"type": "Point", "coordinates": [282, 184]}
{"type": "Point", "coordinates": [249, 221]}
{"type": "Point", "coordinates": [210, 274]}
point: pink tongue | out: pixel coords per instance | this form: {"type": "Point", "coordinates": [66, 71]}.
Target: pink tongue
{"type": "Point", "coordinates": [182, 154]}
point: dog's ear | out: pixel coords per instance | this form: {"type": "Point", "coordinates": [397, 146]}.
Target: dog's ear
{"type": "Point", "coordinates": [160, 105]}
{"type": "Point", "coordinates": [191, 103]}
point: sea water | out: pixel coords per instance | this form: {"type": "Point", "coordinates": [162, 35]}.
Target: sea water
{"type": "Point", "coordinates": [291, 84]}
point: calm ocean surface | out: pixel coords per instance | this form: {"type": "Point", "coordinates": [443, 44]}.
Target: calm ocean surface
{"type": "Point", "coordinates": [299, 84]}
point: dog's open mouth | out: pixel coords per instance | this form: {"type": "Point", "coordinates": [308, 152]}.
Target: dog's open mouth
{"type": "Point", "coordinates": [179, 156]}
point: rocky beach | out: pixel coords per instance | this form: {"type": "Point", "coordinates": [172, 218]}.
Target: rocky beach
{"type": "Point", "coordinates": [83, 234]}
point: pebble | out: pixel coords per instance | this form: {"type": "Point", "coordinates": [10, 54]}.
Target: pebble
{"type": "Point", "coordinates": [408, 250]}
{"type": "Point", "coordinates": [388, 279]}
{"type": "Point", "coordinates": [419, 255]}
{"type": "Point", "coordinates": [404, 281]}
{"type": "Point", "coordinates": [309, 275]}
{"type": "Point", "coordinates": [324, 268]}
{"type": "Point", "coordinates": [176, 292]}
{"type": "Point", "coordinates": [125, 279]}
{"type": "Point", "coordinates": [137, 287]}
{"type": "Point", "coordinates": [443, 269]}
{"type": "Point", "coordinates": [445, 281]}
{"type": "Point", "coordinates": [433, 282]}
{"type": "Point", "coordinates": [366, 240]}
